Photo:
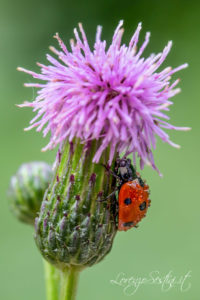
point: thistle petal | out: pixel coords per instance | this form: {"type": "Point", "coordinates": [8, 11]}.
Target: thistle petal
{"type": "Point", "coordinates": [98, 94]}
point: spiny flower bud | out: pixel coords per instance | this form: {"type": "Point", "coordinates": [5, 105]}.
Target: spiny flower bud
{"type": "Point", "coordinates": [27, 188]}
{"type": "Point", "coordinates": [76, 226]}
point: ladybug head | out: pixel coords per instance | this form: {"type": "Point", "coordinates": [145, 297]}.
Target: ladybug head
{"type": "Point", "coordinates": [125, 169]}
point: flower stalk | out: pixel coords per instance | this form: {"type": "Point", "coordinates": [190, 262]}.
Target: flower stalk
{"type": "Point", "coordinates": [69, 283]}
{"type": "Point", "coordinates": [52, 279]}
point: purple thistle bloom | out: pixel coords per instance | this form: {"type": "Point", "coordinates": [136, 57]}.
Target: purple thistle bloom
{"type": "Point", "coordinates": [113, 95]}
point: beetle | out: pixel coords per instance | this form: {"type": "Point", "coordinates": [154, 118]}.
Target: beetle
{"type": "Point", "coordinates": [133, 195]}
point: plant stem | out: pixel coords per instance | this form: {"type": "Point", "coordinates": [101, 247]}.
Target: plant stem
{"type": "Point", "coordinates": [69, 283]}
{"type": "Point", "coordinates": [52, 278]}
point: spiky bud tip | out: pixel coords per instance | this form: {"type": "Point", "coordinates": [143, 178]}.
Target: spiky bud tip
{"type": "Point", "coordinates": [27, 188]}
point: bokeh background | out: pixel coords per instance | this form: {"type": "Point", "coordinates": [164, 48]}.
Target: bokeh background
{"type": "Point", "coordinates": [168, 239]}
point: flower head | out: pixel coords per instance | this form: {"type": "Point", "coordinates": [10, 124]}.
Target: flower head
{"type": "Point", "coordinates": [26, 190]}
{"type": "Point", "coordinates": [109, 94]}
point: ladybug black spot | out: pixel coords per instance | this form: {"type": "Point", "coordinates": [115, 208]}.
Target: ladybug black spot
{"type": "Point", "coordinates": [128, 224]}
{"type": "Point", "coordinates": [128, 201]}
{"type": "Point", "coordinates": [142, 206]}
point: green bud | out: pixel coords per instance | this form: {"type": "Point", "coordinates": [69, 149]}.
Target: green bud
{"type": "Point", "coordinates": [77, 225]}
{"type": "Point", "coordinates": [27, 188]}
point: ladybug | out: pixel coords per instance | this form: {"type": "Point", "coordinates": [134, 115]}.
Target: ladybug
{"type": "Point", "coordinates": [133, 195]}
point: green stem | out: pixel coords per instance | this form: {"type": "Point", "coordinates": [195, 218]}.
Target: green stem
{"type": "Point", "coordinates": [69, 283]}
{"type": "Point", "coordinates": [52, 278]}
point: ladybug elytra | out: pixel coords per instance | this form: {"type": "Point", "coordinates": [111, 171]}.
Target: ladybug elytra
{"type": "Point", "coordinates": [133, 195]}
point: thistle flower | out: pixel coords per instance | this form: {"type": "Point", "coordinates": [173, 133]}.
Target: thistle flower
{"type": "Point", "coordinates": [112, 95]}
{"type": "Point", "coordinates": [96, 104]}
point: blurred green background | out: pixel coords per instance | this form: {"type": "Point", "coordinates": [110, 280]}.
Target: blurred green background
{"type": "Point", "coordinates": [168, 239]}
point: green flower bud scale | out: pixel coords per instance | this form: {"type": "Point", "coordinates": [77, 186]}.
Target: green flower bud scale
{"type": "Point", "coordinates": [27, 188]}
{"type": "Point", "coordinates": [76, 225]}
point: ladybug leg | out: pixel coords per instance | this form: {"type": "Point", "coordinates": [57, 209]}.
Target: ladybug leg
{"type": "Point", "coordinates": [102, 200]}
{"type": "Point", "coordinates": [111, 172]}
{"type": "Point", "coordinates": [116, 189]}
{"type": "Point", "coordinates": [116, 213]}
{"type": "Point", "coordinates": [120, 182]}
{"type": "Point", "coordinates": [111, 194]}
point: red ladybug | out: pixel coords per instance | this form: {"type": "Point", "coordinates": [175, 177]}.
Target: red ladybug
{"type": "Point", "coordinates": [133, 195]}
